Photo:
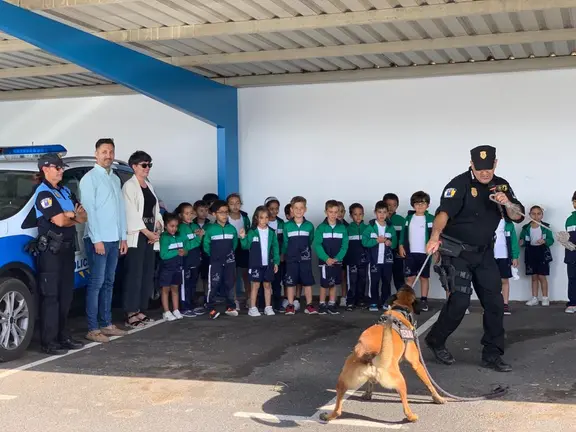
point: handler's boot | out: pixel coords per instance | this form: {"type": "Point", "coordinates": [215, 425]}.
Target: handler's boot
{"type": "Point", "coordinates": [497, 364]}
{"type": "Point", "coordinates": [441, 354]}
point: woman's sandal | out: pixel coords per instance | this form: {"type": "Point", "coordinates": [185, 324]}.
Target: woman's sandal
{"type": "Point", "coordinates": [136, 323]}
{"type": "Point", "coordinates": [146, 319]}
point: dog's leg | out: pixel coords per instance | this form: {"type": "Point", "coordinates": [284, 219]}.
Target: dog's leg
{"type": "Point", "coordinates": [341, 390]}
{"type": "Point", "coordinates": [400, 386]}
{"type": "Point", "coordinates": [368, 393]}
{"type": "Point", "coordinates": [413, 358]}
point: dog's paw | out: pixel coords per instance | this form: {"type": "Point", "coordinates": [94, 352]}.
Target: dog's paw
{"type": "Point", "coordinates": [438, 400]}
{"type": "Point", "coordinates": [367, 396]}
{"type": "Point", "coordinates": [412, 417]}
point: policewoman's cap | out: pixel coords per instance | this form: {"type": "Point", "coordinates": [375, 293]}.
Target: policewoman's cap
{"type": "Point", "coordinates": [51, 159]}
{"type": "Point", "coordinates": [483, 157]}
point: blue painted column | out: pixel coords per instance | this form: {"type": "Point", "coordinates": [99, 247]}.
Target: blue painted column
{"type": "Point", "coordinates": [183, 90]}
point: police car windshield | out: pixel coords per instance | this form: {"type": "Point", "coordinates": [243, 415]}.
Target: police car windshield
{"type": "Point", "coordinates": [16, 189]}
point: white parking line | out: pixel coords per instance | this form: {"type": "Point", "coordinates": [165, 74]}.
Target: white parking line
{"type": "Point", "coordinates": [315, 418]}
{"type": "Point", "coordinates": [7, 397]}
{"type": "Point", "coordinates": [13, 371]}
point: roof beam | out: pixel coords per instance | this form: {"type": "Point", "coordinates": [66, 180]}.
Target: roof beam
{"type": "Point", "coordinates": [323, 52]}
{"type": "Point", "coordinates": [486, 67]}
{"type": "Point", "coordinates": [322, 21]}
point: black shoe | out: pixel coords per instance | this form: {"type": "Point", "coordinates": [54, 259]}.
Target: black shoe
{"type": "Point", "coordinates": [322, 309]}
{"type": "Point", "coordinates": [71, 344]}
{"type": "Point", "coordinates": [54, 349]}
{"type": "Point", "coordinates": [333, 310]}
{"type": "Point", "coordinates": [441, 354]}
{"type": "Point", "coordinates": [507, 310]}
{"type": "Point", "coordinates": [424, 305]}
{"type": "Point", "coordinates": [350, 308]}
{"type": "Point", "coordinates": [497, 364]}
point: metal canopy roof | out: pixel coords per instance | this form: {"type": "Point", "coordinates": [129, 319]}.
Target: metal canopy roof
{"type": "Point", "coordinates": [267, 42]}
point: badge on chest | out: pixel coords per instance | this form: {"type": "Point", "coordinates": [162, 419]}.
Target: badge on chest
{"type": "Point", "coordinates": [474, 192]}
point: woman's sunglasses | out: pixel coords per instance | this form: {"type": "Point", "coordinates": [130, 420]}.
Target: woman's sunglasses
{"type": "Point", "coordinates": [146, 165]}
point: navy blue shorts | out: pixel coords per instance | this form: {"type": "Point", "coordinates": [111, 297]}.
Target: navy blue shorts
{"type": "Point", "coordinates": [505, 268]}
{"type": "Point", "coordinates": [537, 261]}
{"type": "Point", "coordinates": [261, 274]}
{"type": "Point", "coordinates": [330, 276]}
{"type": "Point", "coordinates": [299, 273]}
{"type": "Point", "coordinates": [414, 262]}
{"type": "Point", "coordinates": [169, 277]}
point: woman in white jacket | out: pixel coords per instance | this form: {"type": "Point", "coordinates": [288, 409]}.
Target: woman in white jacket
{"type": "Point", "coordinates": [144, 225]}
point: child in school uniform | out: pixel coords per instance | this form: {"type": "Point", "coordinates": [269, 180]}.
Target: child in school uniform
{"type": "Point", "coordinates": [537, 241]}
{"type": "Point", "coordinates": [330, 244]}
{"type": "Point", "coordinates": [263, 260]}
{"type": "Point", "coordinates": [220, 242]}
{"type": "Point", "coordinates": [356, 259]}
{"type": "Point", "coordinates": [298, 294]}
{"type": "Point", "coordinates": [380, 240]}
{"type": "Point", "coordinates": [413, 239]}
{"type": "Point", "coordinates": [298, 237]}
{"type": "Point", "coordinates": [172, 255]}
{"type": "Point", "coordinates": [397, 221]}
{"type": "Point", "coordinates": [506, 253]}
{"type": "Point", "coordinates": [344, 285]}
{"type": "Point", "coordinates": [192, 245]}
{"type": "Point", "coordinates": [570, 260]}
{"type": "Point", "coordinates": [202, 209]}
{"type": "Point", "coordinates": [277, 224]}
{"type": "Point", "coordinates": [239, 219]}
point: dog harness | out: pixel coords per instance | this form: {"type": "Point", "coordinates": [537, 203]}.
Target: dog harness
{"type": "Point", "coordinates": [406, 333]}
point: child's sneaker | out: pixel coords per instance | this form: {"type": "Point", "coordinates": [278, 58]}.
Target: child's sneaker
{"type": "Point", "coordinates": [254, 312]}
{"type": "Point", "coordinates": [532, 302]}
{"type": "Point", "coordinates": [467, 312]}
{"type": "Point", "coordinates": [177, 314]}
{"type": "Point", "coordinates": [545, 301]}
{"type": "Point", "coordinates": [231, 312]}
{"type": "Point", "coordinates": [507, 310]}
{"type": "Point", "coordinates": [350, 308]}
{"type": "Point", "coordinates": [213, 314]}
{"type": "Point", "coordinates": [342, 301]}
{"type": "Point", "coordinates": [269, 311]}
{"type": "Point", "coordinates": [310, 310]}
{"type": "Point", "coordinates": [200, 310]}
{"type": "Point", "coordinates": [297, 305]}
{"type": "Point", "coordinates": [189, 313]}
{"type": "Point", "coordinates": [332, 309]}
{"type": "Point", "coordinates": [570, 309]}
{"type": "Point", "coordinates": [373, 308]}
{"type": "Point", "coordinates": [323, 309]}
{"type": "Point", "coordinates": [168, 316]}
{"type": "Point", "coordinates": [237, 305]}
{"type": "Point", "coordinates": [424, 305]}
{"type": "Point", "coordinates": [290, 309]}
{"type": "Point", "coordinates": [281, 310]}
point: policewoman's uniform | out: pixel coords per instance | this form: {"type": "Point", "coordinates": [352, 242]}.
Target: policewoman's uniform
{"type": "Point", "coordinates": [55, 262]}
{"type": "Point", "coordinates": [467, 255]}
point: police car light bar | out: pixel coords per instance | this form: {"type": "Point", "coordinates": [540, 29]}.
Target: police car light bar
{"type": "Point", "coordinates": [27, 153]}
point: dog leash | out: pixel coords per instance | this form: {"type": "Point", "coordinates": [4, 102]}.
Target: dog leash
{"type": "Point", "coordinates": [495, 393]}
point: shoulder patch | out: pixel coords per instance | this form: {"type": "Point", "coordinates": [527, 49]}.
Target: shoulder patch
{"type": "Point", "coordinates": [46, 203]}
{"type": "Point", "coordinates": [449, 193]}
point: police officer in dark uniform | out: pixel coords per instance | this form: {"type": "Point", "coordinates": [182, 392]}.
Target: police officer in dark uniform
{"type": "Point", "coordinates": [463, 234]}
{"type": "Point", "coordinates": [57, 212]}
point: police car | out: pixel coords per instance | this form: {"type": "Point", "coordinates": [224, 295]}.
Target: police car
{"type": "Point", "coordinates": [18, 226]}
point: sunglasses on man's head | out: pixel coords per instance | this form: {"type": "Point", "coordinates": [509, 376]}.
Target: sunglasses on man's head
{"type": "Point", "coordinates": [146, 165]}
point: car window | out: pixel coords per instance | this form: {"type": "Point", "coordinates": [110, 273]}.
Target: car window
{"type": "Point", "coordinates": [16, 189]}
{"type": "Point", "coordinates": [124, 175]}
{"type": "Point", "coordinates": [71, 179]}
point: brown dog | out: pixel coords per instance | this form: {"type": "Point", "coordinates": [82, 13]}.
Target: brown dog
{"type": "Point", "coordinates": [377, 355]}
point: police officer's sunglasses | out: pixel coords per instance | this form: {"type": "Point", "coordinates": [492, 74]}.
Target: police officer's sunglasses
{"type": "Point", "coordinates": [146, 165]}
{"type": "Point", "coordinates": [59, 168]}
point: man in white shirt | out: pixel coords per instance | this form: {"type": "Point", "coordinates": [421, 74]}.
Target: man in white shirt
{"type": "Point", "coordinates": [105, 237]}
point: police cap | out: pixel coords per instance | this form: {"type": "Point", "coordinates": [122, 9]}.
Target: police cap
{"type": "Point", "coordinates": [483, 157]}
{"type": "Point", "coordinates": [51, 159]}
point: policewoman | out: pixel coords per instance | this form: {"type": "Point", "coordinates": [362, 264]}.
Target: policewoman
{"type": "Point", "coordinates": [57, 213]}
{"type": "Point", "coordinates": [463, 233]}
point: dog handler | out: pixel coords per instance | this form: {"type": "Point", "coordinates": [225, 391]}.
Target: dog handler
{"type": "Point", "coordinates": [463, 233]}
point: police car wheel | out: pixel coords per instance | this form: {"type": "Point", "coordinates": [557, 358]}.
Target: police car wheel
{"type": "Point", "coordinates": [16, 318]}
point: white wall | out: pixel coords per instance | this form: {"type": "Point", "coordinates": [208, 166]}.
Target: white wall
{"type": "Point", "coordinates": [355, 142]}
{"type": "Point", "coordinates": [183, 148]}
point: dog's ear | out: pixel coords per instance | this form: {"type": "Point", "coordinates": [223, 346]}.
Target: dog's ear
{"type": "Point", "coordinates": [391, 299]}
